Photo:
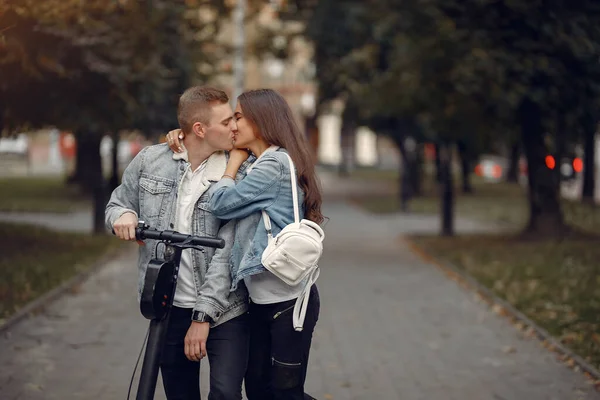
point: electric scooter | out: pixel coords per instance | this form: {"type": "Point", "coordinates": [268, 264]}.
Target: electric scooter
{"type": "Point", "coordinates": [157, 295]}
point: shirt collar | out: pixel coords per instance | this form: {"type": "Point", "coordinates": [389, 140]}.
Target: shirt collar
{"type": "Point", "coordinates": [214, 165]}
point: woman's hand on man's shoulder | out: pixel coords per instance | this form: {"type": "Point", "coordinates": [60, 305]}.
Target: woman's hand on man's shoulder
{"type": "Point", "coordinates": [238, 156]}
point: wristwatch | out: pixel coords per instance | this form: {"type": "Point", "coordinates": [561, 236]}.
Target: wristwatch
{"type": "Point", "coordinates": [200, 316]}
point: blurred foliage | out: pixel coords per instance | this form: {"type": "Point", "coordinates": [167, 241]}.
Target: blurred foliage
{"type": "Point", "coordinates": [100, 65]}
{"type": "Point", "coordinates": [462, 67]}
{"type": "Point", "coordinates": [469, 71]}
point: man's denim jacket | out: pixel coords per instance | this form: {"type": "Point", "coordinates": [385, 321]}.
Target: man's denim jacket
{"type": "Point", "coordinates": [150, 188]}
{"type": "Point", "coordinates": [267, 187]}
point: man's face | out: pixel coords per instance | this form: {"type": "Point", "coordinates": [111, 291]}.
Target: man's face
{"type": "Point", "coordinates": [221, 127]}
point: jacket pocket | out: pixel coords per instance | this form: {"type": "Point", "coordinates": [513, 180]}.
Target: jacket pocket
{"type": "Point", "coordinates": [208, 224]}
{"type": "Point", "coordinates": [154, 196]}
{"type": "Point", "coordinates": [286, 375]}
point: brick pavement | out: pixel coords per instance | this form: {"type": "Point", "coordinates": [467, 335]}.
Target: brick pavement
{"type": "Point", "coordinates": [391, 327]}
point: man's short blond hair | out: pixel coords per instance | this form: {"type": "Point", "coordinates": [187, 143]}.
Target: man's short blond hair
{"type": "Point", "coordinates": [195, 105]}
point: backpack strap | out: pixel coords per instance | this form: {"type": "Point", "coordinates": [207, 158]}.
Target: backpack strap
{"type": "Point", "coordinates": [302, 301]}
{"type": "Point", "coordinates": [266, 219]}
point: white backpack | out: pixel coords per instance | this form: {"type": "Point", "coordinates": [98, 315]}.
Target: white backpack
{"type": "Point", "coordinates": [294, 253]}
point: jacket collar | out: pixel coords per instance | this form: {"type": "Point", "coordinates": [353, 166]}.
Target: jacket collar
{"type": "Point", "coordinates": [268, 150]}
{"type": "Point", "coordinates": [215, 164]}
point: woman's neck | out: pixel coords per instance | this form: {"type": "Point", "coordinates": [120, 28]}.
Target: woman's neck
{"type": "Point", "coordinates": [259, 147]}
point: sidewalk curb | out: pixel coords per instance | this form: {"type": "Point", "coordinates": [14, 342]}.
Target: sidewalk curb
{"type": "Point", "coordinates": [503, 308]}
{"type": "Point", "coordinates": [37, 305]}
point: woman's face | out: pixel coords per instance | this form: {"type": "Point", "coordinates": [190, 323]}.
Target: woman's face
{"type": "Point", "coordinates": [245, 133]}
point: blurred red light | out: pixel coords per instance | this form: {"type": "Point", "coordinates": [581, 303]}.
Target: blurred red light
{"type": "Point", "coordinates": [550, 163]}
{"type": "Point", "coordinates": [497, 171]}
{"type": "Point", "coordinates": [578, 164]}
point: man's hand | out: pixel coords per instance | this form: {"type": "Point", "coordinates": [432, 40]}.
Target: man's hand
{"type": "Point", "coordinates": [124, 227]}
{"type": "Point", "coordinates": [195, 340]}
{"type": "Point", "coordinates": [173, 140]}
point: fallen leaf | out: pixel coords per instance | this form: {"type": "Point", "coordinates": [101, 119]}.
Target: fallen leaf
{"type": "Point", "coordinates": [509, 349]}
{"type": "Point", "coordinates": [570, 362]}
{"type": "Point", "coordinates": [498, 309]}
{"type": "Point", "coordinates": [34, 386]}
{"type": "Point", "coordinates": [520, 326]}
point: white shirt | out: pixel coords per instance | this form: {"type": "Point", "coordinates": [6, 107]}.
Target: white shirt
{"type": "Point", "coordinates": [190, 189]}
{"type": "Point", "coordinates": [266, 288]}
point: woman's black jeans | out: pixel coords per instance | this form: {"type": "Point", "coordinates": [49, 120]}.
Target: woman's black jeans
{"type": "Point", "coordinates": [278, 354]}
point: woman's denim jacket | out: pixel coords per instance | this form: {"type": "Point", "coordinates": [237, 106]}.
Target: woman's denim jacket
{"type": "Point", "coordinates": [267, 187]}
{"type": "Point", "coordinates": [149, 187]}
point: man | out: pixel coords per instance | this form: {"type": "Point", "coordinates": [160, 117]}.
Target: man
{"type": "Point", "coordinates": [171, 191]}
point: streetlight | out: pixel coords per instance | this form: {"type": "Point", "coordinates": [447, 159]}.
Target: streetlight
{"type": "Point", "coordinates": [239, 42]}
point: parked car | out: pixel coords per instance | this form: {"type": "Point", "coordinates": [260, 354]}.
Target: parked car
{"type": "Point", "coordinates": [492, 168]}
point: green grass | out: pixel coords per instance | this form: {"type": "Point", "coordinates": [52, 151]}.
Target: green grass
{"type": "Point", "coordinates": [35, 260]}
{"type": "Point", "coordinates": [40, 194]}
{"type": "Point", "coordinates": [556, 284]}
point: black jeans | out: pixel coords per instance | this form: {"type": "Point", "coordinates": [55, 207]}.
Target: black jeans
{"type": "Point", "coordinates": [227, 350]}
{"type": "Point", "coordinates": [279, 354]}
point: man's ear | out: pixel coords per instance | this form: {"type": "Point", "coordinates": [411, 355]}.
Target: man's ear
{"type": "Point", "coordinates": [199, 129]}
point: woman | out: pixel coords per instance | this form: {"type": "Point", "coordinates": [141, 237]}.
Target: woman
{"type": "Point", "coordinates": [266, 128]}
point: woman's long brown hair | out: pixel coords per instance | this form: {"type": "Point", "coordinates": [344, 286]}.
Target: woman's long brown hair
{"type": "Point", "coordinates": [270, 113]}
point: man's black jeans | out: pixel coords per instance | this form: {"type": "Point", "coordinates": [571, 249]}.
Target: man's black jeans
{"type": "Point", "coordinates": [279, 354]}
{"type": "Point", "coordinates": [227, 350]}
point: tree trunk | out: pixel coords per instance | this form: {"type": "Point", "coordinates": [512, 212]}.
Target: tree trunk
{"type": "Point", "coordinates": [405, 192]}
{"type": "Point", "coordinates": [416, 172]}
{"type": "Point", "coordinates": [89, 163]}
{"type": "Point", "coordinates": [100, 199]}
{"type": "Point", "coordinates": [545, 214]}
{"type": "Point", "coordinates": [512, 176]}
{"type": "Point", "coordinates": [465, 164]}
{"type": "Point", "coordinates": [2, 119]}
{"type": "Point", "coordinates": [348, 136]}
{"type": "Point", "coordinates": [438, 171]}
{"type": "Point", "coordinates": [114, 178]}
{"type": "Point", "coordinates": [447, 191]}
{"type": "Point", "coordinates": [76, 176]}
{"type": "Point", "coordinates": [89, 169]}
{"type": "Point", "coordinates": [589, 167]}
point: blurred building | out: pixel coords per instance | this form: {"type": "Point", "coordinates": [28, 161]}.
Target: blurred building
{"type": "Point", "coordinates": [267, 36]}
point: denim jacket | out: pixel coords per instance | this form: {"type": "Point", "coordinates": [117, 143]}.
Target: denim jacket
{"type": "Point", "coordinates": [150, 188]}
{"type": "Point", "coordinates": [267, 187]}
